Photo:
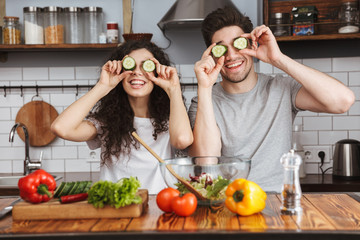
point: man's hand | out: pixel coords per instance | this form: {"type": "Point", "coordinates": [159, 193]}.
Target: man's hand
{"type": "Point", "coordinates": [206, 70]}
{"type": "Point", "coordinates": [264, 45]}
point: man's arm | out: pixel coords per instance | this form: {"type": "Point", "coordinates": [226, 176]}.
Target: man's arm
{"type": "Point", "coordinates": [207, 139]}
{"type": "Point", "coordinates": [319, 92]}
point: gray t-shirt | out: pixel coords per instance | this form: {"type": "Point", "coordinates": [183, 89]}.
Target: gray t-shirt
{"type": "Point", "coordinates": [257, 125]}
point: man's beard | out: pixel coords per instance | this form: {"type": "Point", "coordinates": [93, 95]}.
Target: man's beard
{"type": "Point", "coordinates": [227, 78]}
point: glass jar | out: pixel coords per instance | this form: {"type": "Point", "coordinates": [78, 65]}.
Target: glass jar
{"type": "Point", "coordinates": [53, 25]}
{"type": "Point", "coordinates": [74, 25]}
{"type": "Point", "coordinates": [33, 25]}
{"type": "Point", "coordinates": [280, 24]}
{"type": "Point", "coordinates": [93, 21]}
{"type": "Point", "coordinates": [349, 17]}
{"type": "Point", "coordinates": [11, 31]}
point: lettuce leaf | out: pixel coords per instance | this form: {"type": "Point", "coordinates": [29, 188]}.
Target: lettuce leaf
{"type": "Point", "coordinates": [119, 194]}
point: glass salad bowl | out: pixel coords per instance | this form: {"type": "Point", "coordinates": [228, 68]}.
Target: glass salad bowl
{"type": "Point", "coordinates": [209, 175]}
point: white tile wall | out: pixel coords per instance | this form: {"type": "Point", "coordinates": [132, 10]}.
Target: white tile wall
{"type": "Point", "coordinates": [61, 155]}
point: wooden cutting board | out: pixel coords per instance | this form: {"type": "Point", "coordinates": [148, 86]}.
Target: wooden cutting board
{"type": "Point", "coordinates": [78, 210]}
{"type": "Point", "coordinates": [37, 116]}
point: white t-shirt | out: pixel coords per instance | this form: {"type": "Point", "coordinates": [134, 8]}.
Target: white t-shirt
{"type": "Point", "coordinates": [140, 163]}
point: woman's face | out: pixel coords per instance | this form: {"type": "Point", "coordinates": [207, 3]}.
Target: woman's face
{"type": "Point", "coordinates": [137, 84]}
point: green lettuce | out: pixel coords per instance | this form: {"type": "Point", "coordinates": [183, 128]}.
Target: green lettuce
{"type": "Point", "coordinates": [119, 194]}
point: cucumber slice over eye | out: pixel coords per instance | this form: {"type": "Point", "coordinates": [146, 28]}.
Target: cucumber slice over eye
{"type": "Point", "coordinates": [129, 63]}
{"type": "Point", "coordinates": [240, 43]}
{"type": "Point", "coordinates": [148, 66]}
{"type": "Point", "coordinates": [218, 50]}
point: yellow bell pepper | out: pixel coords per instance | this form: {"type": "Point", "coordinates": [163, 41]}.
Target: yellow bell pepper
{"type": "Point", "coordinates": [245, 197]}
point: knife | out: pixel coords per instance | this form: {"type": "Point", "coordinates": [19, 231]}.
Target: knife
{"type": "Point", "coordinates": [7, 209]}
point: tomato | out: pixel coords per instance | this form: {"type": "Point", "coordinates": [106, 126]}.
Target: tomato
{"type": "Point", "coordinates": [184, 205]}
{"type": "Point", "coordinates": [164, 198]}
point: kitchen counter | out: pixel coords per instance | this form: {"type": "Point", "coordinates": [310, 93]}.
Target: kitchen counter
{"type": "Point", "coordinates": [311, 183]}
{"type": "Point", "coordinates": [325, 216]}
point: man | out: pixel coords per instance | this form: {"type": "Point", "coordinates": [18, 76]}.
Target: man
{"type": "Point", "coordinates": [250, 114]}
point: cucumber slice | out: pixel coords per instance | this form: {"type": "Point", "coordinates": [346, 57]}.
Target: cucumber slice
{"type": "Point", "coordinates": [129, 63]}
{"type": "Point", "coordinates": [74, 188]}
{"type": "Point", "coordinates": [59, 189]}
{"type": "Point", "coordinates": [218, 50]}
{"type": "Point", "coordinates": [148, 66]}
{"type": "Point", "coordinates": [88, 186]}
{"type": "Point", "coordinates": [81, 187]}
{"type": "Point", "coordinates": [66, 189]}
{"type": "Point", "coordinates": [240, 43]}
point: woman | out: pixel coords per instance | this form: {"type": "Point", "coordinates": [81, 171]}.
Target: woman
{"type": "Point", "coordinates": [149, 103]}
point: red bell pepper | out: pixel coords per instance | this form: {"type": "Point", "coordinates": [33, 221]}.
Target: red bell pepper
{"type": "Point", "coordinates": [37, 186]}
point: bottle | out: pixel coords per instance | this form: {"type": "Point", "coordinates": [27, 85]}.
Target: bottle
{"type": "Point", "coordinates": [11, 31]}
{"type": "Point", "coordinates": [291, 190]}
{"type": "Point", "coordinates": [53, 24]}
{"type": "Point", "coordinates": [112, 33]}
{"type": "Point", "coordinates": [33, 25]}
{"type": "Point", "coordinates": [299, 149]}
{"type": "Point", "coordinates": [74, 25]}
{"type": "Point", "coordinates": [93, 20]}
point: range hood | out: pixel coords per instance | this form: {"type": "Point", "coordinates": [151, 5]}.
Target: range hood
{"type": "Point", "coordinates": [190, 13]}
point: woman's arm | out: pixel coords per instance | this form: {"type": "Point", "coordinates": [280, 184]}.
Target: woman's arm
{"type": "Point", "coordinates": [70, 124]}
{"type": "Point", "coordinates": [179, 125]}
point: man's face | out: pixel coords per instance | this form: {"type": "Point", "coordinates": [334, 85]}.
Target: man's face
{"type": "Point", "coordinates": [237, 66]}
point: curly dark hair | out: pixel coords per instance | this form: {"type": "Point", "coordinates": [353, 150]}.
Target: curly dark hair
{"type": "Point", "coordinates": [224, 17]}
{"type": "Point", "coordinates": [116, 115]}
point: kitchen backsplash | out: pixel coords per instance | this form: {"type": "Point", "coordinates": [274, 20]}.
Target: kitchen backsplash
{"type": "Point", "coordinates": [319, 130]}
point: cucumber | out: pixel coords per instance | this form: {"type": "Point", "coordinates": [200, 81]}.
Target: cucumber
{"type": "Point", "coordinates": [218, 50]}
{"type": "Point", "coordinates": [240, 43]}
{"type": "Point", "coordinates": [148, 66]}
{"type": "Point", "coordinates": [59, 189]}
{"type": "Point", "coordinates": [74, 188]}
{"type": "Point", "coordinates": [81, 187]}
{"type": "Point", "coordinates": [129, 63]}
{"type": "Point", "coordinates": [68, 186]}
{"type": "Point", "coordinates": [88, 186]}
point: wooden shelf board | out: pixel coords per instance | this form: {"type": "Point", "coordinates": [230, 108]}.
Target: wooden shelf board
{"type": "Point", "coordinates": [319, 37]}
{"type": "Point", "coordinates": [57, 47]}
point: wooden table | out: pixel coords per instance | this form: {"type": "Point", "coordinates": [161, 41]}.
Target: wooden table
{"type": "Point", "coordinates": [326, 216]}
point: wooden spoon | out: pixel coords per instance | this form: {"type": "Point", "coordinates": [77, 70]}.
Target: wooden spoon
{"type": "Point", "coordinates": [180, 179]}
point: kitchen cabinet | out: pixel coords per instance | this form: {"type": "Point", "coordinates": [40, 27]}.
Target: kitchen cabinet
{"type": "Point", "coordinates": [325, 216]}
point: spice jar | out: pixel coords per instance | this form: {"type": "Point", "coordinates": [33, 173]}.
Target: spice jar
{"type": "Point", "coordinates": [93, 21]}
{"type": "Point", "coordinates": [33, 25]}
{"type": "Point", "coordinates": [112, 33]}
{"type": "Point", "coordinates": [11, 31]}
{"type": "Point", "coordinates": [74, 25]}
{"type": "Point", "coordinates": [349, 17]}
{"type": "Point", "coordinates": [53, 24]}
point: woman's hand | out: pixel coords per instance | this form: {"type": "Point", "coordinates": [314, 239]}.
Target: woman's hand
{"type": "Point", "coordinates": [111, 74]}
{"type": "Point", "coordinates": [167, 78]}
{"type": "Point", "coordinates": [206, 70]}
{"type": "Point", "coordinates": [264, 45]}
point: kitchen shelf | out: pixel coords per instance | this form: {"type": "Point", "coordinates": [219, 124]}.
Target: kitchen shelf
{"type": "Point", "coordinates": [5, 48]}
{"type": "Point", "coordinates": [56, 47]}
{"type": "Point", "coordinates": [327, 23]}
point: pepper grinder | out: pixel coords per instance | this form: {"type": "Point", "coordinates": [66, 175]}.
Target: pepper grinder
{"type": "Point", "coordinates": [291, 190]}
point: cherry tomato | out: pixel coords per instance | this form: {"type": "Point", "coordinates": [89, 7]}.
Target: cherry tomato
{"type": "Point", "coordinates": [164, 198]}
{"type": "Point", "coordinates": [184, 205]}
